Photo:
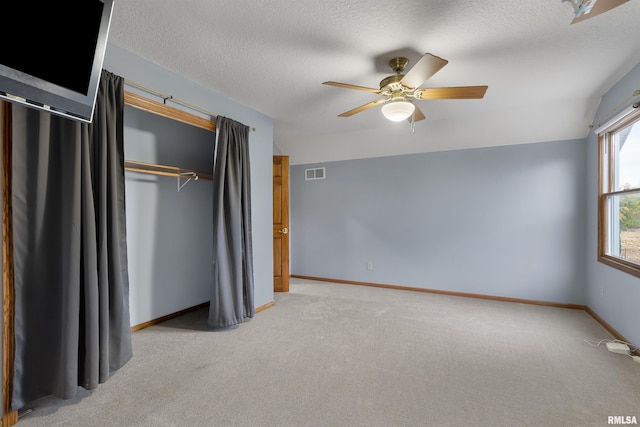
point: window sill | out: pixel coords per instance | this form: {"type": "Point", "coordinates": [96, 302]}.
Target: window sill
{"type": "Point", "coordinates": [620, 264]}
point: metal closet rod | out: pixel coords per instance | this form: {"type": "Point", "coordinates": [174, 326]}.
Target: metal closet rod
{"type": "Point", "coordinates": [166, 96]}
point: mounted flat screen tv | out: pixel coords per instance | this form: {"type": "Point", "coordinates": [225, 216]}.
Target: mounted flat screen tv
{"type": "Point", "coordinates": [51, 54]}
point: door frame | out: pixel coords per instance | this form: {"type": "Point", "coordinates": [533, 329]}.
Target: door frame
{"type": "Point", "coordinates": [9, 417]}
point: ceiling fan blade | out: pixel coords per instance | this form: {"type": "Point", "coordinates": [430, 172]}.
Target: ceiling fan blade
{"type": "Point", "coordinates": [363, 107]}
{"type": "Point", "coordinates": [417, 115]}
{"type": "Point", "coordinates": [598, 7]}
{"type": "Point", "coordinates": [348, 86]}
{"type": "Point", "coordinates": [462, 92]}
{"type": "Point", "coordinates": [426, 67]}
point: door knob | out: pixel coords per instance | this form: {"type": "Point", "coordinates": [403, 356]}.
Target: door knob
{"type": "Point", "coordinates": [284, 231]}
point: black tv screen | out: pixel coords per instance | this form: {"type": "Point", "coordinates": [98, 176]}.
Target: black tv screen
{"type": "Point", "coordinates": [52, 53]}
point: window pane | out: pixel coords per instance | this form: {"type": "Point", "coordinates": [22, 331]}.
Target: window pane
{"type": "Point", "coordinates": [627, 143]}
{"type": "Point", "coordinates": [605, 151]}
{"type": "Point", "coordinates": [624, 226]}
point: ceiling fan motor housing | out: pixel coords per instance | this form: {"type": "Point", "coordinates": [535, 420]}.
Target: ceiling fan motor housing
{"type": "Point", "coordinates": [391, 83]}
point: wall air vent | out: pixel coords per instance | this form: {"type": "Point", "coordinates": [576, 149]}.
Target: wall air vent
{"type": "Point", "coordinates": [316, 173]}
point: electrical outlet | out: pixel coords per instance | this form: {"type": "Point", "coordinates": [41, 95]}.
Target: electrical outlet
{"type": "Point", "coordinates": [369, 265]}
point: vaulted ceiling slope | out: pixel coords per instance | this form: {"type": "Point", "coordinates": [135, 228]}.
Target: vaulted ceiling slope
{"type": "Point", "coordinates": [545, 76]}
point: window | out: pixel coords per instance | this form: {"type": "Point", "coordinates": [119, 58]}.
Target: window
{"type": "Point", "coordinates": [619, 194]}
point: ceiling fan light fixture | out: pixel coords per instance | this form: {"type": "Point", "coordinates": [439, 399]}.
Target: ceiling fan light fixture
{"type": "Point", "coordinates": [398, 111]}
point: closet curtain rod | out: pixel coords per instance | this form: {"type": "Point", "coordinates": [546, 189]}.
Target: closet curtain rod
{"type": "Point", "coordinates": [166, 96]}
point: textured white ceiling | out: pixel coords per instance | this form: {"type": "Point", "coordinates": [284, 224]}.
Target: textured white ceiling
{"type": "Point", "coordinates": [545, 76]}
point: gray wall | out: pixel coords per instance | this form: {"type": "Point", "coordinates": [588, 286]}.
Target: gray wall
{"type": "Point", "coordinates": [621, 292]}
{"type": "Point", "coordinates": [169, 257]}
{"type": "Point", "coordinates": [505, 221]}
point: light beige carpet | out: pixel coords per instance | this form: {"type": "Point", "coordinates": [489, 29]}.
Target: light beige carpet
{"type": "Point", "coordinates": [342, 355]}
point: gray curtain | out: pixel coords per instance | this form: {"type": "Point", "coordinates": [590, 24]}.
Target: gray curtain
{"type": "Point", "coordinates": [72, 324]}
{"type": "Point", "coordinates": [232, 289]}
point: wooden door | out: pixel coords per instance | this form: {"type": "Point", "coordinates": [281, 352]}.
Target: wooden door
{"type": "Point", "coordinates": [281, 223]}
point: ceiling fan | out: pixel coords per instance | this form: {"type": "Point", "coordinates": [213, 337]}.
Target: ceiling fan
{"type": "Point", "coordinates": [399, 89]}
{"type": "Point", "coordinates": [585, 9]}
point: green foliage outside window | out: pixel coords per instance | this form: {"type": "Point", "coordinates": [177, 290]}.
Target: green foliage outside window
{"type": "Point", "coordinates": [629, 213]}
